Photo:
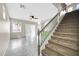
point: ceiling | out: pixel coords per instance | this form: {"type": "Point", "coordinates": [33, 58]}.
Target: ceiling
{"type": "Point", "coordinates": [42, 11]}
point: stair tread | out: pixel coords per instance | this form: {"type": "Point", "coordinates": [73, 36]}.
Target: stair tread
{"type": "Point", "coordinates": [65, 38]}
{"type": "Point", "coordinates": [47, 52]}
{"type": "Point", "coordinates": [68, 29]}
{"type": "Point", "coordinates": [68, 22]}
{"type": "Point", "coordinates": [67, 33]}
{"type": "Point", "coordinates": [75, 36]}
{"type": "Point", "coordinates": [66, 43]}
{"type": "Point", "coordinates": [62, 50]}
{"type": "Point", "coordinates": [68, 26]}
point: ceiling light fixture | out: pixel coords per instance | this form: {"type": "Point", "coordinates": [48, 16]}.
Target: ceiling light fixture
{"type": "Point", "coordinates": [22, 6]}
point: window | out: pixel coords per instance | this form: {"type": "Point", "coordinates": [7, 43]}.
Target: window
{"type": "Point", "coordinates": [16, 27]}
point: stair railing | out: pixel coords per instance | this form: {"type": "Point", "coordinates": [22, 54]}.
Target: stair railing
{"type": "Point", "coordinates": [48, 28]}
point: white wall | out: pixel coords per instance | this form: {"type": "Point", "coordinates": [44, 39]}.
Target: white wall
{"type": "Point", "coordinates": [1, 11]}
{"type": "Point", "coordinates": [4, 27]}
{"type": "Point", "coordinates": [58, 6]}
{"type": "Point", "coordinates": [4, 36]}
{"type": "Point", "coordinates": [76, 6]}
{"type": "Point", "coordinates": [4, 31]}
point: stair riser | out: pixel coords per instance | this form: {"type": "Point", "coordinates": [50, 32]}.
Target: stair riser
{"type": "Point", "coordinates": [68, 19]}
{"type": "Point", "coordinates": [65, 44]}
{"type": "Point", "coordinates": [53, 50]}
{"type": "Point", "coordinates": [66, 23]}
{"type": "Point", "coordinates": [57, 37]}
{"type": "Point", "coordinates": [67, 27]}
{"type": "Point", "coordinates": [47, 52]}
{"type": "Point", "coordinates": [68, 31]}
{"type": "Point", "coordinates": [43, 54]}
{"type": "Point", "coordinates": [62, 50]}
{"type": "Point", "coordinates": [69, 22]}
{"type": "Point", "coordinates": [66, 35]}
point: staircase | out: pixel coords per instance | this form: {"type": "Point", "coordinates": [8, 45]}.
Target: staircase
{"type": "Point", "coordinates": [65, 41]}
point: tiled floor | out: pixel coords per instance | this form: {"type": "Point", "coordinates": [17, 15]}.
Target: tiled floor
{"type": "Point", "coordinates": [22, 47]}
